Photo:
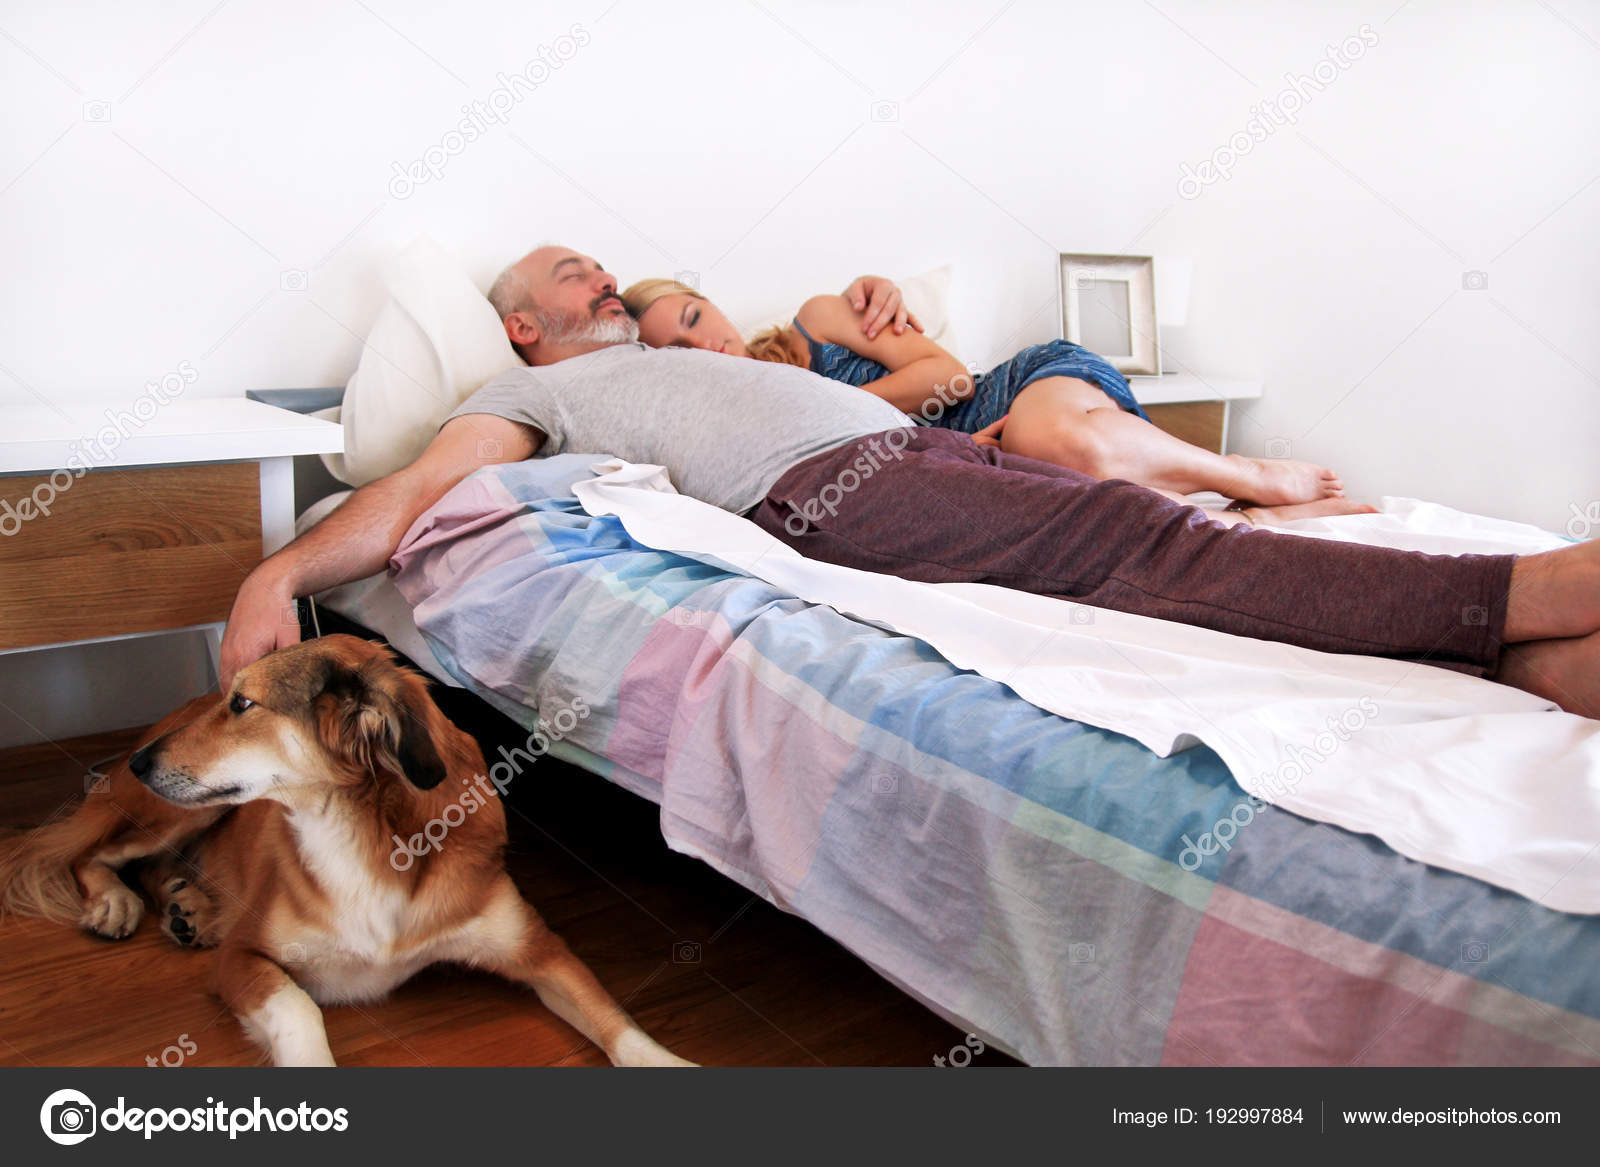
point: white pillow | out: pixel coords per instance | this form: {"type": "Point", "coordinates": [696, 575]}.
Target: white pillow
{"type": "Point", "coordinates": [435, 342]}
{"type": "Point", "coordinates": [928, 297]}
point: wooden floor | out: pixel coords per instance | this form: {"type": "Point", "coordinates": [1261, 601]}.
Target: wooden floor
{"type": "Point", "coordinates": [715, 974]}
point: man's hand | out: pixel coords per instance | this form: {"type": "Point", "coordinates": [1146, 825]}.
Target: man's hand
{"type": "Point", "coordinates": [989, 435]}
{"type": "Point", "coordinates": [263, 619]}
{"type": "Point", "coordinates": [879, 302]}
{"type": "Point", "coordinates": [362, 533]}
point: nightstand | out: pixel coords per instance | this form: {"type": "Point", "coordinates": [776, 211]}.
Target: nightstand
{"type": "Point", "coordinates": [1193, 408]}
{"type": "Point", "coordinates": [155, 522]}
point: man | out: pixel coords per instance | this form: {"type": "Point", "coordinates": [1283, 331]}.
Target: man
{"type": "Point", "coordinates": [793, 451]}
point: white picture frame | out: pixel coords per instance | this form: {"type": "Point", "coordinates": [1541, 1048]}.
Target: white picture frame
{"type": "Point", "coordinates": [1108, 305]}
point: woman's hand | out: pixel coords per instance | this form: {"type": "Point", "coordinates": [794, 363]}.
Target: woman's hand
{"type": "Point", "coordinates": [879, 303]}
{"type": "Point", "coordinates": [989, 435]}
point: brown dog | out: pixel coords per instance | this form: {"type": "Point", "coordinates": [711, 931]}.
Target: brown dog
{"type": "Point", "coordinates": [267, 817]}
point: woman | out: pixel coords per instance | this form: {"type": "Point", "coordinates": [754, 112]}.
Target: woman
{"type": "Point", "coordinates": [1055, 402]}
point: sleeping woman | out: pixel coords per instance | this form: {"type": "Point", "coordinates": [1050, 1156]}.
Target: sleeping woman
{"type": "Point", "coordinates": [1055, 402]}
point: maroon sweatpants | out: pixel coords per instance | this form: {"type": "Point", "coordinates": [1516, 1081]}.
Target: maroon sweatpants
{"type": "Point", "coordinates": [930, 504]}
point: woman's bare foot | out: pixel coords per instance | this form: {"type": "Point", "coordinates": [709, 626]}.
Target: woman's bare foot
{"type": "Point", "coordinates": [1554, 594]}
{"type": "Point", "coordinates": [1321, 509]}
{"type": "Point", "coordinates": [1271, 482]}
{"type": "Point", "coordinates": [1564, 671]}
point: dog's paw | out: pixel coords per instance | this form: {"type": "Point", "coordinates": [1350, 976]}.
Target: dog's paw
{"type": "Point", "coordinates": [114, 913]}
{"type": "Point", "coordinates": [186, 915]}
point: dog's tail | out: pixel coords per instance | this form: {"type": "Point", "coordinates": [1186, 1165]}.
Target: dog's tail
{"type": "Point", "coordinates": [36, 876]}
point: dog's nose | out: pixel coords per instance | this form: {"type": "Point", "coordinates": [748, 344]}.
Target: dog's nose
{"type": "Point", "coordinates": [139, 762]}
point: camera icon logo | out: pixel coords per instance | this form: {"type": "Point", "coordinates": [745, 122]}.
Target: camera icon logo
{"type": "Point", "coordinates": [95, 783]}
{"type": "Point", "coordinates": [1084, 279]}
{"type": "Point", "coordinates": [67, 1117]}
{"type": "Point", "coordinates": [886, 111]}
{"type": "Point", "coordinates": [1584, 520]}
{"type": "Point", "coordinates": [1474, 952]}
{"type": "Point", "coordinates": [293, 280]}
{"type": "Point", "coordinates": [1475, 616]}
{"type": "Point", "coordinates": [1082, 614]}
{"type": "Point", "coordinates": [97, 111]}
{"type": "Point", "coordinates": [1080, 953]}
{"type": "Point", "coordinates": [1277, 447]}
{"type": "Point", "coordinates": [686, 952]}
{"type": "Point", "coordinates": [491, 449]}
{"type": "Point", "coordinates": [885, 783]}
{"type": "Point", "coordinates": [1475, 281]}
{"type": "Point", "coordinates": [689, 279]}
{"type": "Point", "coordinates": [293, 953]}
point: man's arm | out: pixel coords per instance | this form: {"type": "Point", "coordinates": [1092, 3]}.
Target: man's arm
{"type": "Point", "coordinates": [358, 538]}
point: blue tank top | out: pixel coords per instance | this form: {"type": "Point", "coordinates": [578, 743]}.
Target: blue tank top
{"type": "Point", "coordinates": [838, 363]}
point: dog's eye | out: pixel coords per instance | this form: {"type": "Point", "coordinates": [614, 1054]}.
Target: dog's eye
{"type": "Point", "coordinates": [239, 703]}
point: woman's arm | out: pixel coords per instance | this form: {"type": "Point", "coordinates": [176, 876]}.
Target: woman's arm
{"type": "Point", "coordinates": [921, 374]}
{"type": "Point", "coordinates": [878, 303]}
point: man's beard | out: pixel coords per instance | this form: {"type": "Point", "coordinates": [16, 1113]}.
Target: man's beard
{"type": "Point", "coordinates": [572, 328]}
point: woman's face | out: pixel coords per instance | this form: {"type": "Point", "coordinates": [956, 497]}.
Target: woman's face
{"type": "Point", "coordinates": [683, 321]}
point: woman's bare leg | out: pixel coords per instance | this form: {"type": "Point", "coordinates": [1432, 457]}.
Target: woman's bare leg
{"type": "Point", "coordinates": [1258, 516]}
{"type": "Point", "coordinates": [1073, 423]}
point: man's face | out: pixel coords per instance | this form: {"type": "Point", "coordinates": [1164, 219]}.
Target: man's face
{"type": "Point", "coordinates": [575, 299]}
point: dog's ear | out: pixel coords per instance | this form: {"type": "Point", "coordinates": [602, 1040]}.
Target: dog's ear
{"type": "Point", "coordinates": [414, 750]}
{"type": "Point", "coordinates": [378, 719]}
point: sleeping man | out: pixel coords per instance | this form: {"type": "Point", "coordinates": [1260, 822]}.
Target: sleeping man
{"type": "Point", "coordinates": [842, 476]}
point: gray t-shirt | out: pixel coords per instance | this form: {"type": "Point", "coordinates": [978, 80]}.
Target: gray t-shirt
{"type": "Point", "coordinates": [725, 428]}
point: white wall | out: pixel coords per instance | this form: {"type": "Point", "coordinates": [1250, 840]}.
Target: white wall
{"type": "Point", "coordinates": [738, 140]}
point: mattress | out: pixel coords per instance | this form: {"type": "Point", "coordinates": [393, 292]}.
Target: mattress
{"type": "Point", "coordinates": [1053, 887]}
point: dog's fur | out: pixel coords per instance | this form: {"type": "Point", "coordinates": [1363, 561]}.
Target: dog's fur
{"type": "Point", "coordinates": [266, 819]}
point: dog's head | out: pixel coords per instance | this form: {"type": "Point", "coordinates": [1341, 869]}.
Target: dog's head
{"type": "Point", "coordinates": [333, 712]}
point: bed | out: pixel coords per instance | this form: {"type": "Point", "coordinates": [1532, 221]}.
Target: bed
{"type": "Point", "coordinates": [1028, 877]}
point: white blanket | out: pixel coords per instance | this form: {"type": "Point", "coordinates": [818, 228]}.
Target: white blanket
{"type": "Point", "coordinates": [1445, 768]}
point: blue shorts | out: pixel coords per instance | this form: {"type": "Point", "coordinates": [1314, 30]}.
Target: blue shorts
{"type": "Point", "coordinates": [994, 391]}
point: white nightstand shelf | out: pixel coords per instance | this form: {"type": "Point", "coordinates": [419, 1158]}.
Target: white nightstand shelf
{"type": "Point", "coordinates": [152, 522]}
{"type": "Point", "coordinates": [1195, 408]}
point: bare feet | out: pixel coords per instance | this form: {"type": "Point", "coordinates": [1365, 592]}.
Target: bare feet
{"type": "Point", "coordinates": [1321, 509]}
{"type": "Point", "coordinates": [1271, 482]}
{"type": "Point", "coordinates": [1554, 594]}
{"type": "Point", "coordinates": [1564, 671]}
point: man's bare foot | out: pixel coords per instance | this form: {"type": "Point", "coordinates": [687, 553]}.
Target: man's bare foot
{"type": "Point", "coordinates": [1321, 509]}
{"type": "Point", "coordinates": [1554, 594]}
{"type": "Point", "coordinates": [1564, 671]}
{"type": "Point", "coordinates": [1271, 482]}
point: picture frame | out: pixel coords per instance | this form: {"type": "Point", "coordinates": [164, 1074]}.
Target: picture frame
{"type": "Point", "coordinates": [1108, 305]}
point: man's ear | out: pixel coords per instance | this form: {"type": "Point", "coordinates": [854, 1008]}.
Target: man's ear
{"type": "Point", "coordinates": [522, 329]}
